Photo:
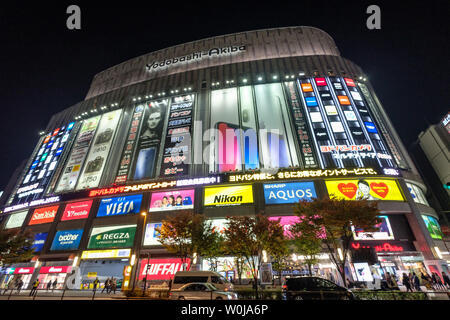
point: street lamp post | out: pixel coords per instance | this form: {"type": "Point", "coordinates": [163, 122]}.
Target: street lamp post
{"type": "Point", "coordinates": [138, 253]}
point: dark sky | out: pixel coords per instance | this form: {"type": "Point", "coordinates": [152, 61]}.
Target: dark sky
{"type": "Point", "coordinates": [46, 68]}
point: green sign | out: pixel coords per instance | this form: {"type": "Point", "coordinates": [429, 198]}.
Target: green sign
{"type": "Point", "coordinates": [112, 237]}
{"type": "Point", "coordinates": [433, 227]}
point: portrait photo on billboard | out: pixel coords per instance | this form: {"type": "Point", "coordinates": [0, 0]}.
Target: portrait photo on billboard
{"type": "Point", "coordinates": [147, 149]}
{"type": "Point", "coordinates": [172, 200]}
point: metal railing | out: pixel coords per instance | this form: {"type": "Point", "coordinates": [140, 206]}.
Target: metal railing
{"type": "Point", "coordinates": [57, 294]}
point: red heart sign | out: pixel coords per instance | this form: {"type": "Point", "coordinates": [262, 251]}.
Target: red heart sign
{"type": "Point", "coordinates": [348, 189]}
{"type": "Point", "coordinates": [380, 189]}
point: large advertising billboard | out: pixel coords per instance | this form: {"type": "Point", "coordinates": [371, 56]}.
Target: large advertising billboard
{"type": "Point", "coordinates": [39, 241]}
{"type": "Point", "coordinates": [98, 153]}
{"type": "Point", "coordinates": [228, 195]}
{"type": "Point", "coordinates": [127, 153]}
{"type": "Point", "coordinates": [161, 269]}
{"type": "Point", "coordinates": [368, 189]}
{"type": "Point", "coordinates": [16, 219]}
{"type": "Point", "coordinates": [43, 215]}
{"type": "Point", "coordinates": [112, 237]}
{"type": "Point", "coordinates": [290, 192]}
{"type": "Point", "coordinates": [147, 146]}
{"type": "Point", "coordinates": [177, 145]}
{"type": "Point", "coordinates": [78, 154]}
{"type": "Point", "coordinates": [433, 227]}
{"type": "Point", "coordinates": [172, 200]}
{"type": "Point", "coordinates": [384, 232]}
{"type": "Point", "coordinates": [66, 240]}
{"type": "Point", "coordinates": [119, 205]}
{"type": "Point", "coordinates": [77, 210]}
{"type": "Point", "coordinates": [43, 166]}
{"type": "Point", "coordinates": [151, 235]}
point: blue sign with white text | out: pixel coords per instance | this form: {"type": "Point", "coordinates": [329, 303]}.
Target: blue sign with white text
{"type": "Point", "coordinates": [119, 205]}
{"type": "Point", "coordinates": [290, 192]}
{"type": "Point", "coordinates": [39, 241]}
{"type": "Point", "coordinates": [67, 240]}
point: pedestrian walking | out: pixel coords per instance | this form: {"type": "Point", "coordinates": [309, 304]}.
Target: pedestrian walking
{"type": "Point", "coordinates": [49, 285]}
{"type": "Point", "coordinates": [54, 284]}
{"type": "Point", "coordinates": [96, 282]}
{"type": "Point", "coordinates": [113, 285]}
{"type": "Point", "coordinates": [426, 280]}
{"type": "Point", "coordinates": [446, 280]}
{"type": "Point", "coordinates": [416, 282]}
{"type": "Point", "coordinates": [19, 285]}
{"type": "Point", "coordinates": [437, 281]}
{"type": "Point", "coordinates": [107, 286]}
{"type": "Point", "coordinates": [406, 282]}
{"type": "Point", "coordinates": [34, 288]}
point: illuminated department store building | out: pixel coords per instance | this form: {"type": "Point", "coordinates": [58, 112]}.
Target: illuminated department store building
{"type": "Point", "coordinates": [231, 125]}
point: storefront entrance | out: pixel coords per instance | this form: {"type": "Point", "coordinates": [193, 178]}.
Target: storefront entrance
{"type": "Point", "coordinates": [50, 274]}
{"type": "Point", "coordinates": [102, 269]}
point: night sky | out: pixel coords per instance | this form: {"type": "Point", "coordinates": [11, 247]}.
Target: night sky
{"type": "Point", "coordinates": [46, 68]}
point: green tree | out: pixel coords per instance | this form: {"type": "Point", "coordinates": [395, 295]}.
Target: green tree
{"type": "Point", "coordinates": [248, 237]}
{"type": "Point", "coordinates": [15, 246]}
{"type": "Point", "coordinates": [212, 244]}
{"type": "Point", "coordinates": [332, 220]}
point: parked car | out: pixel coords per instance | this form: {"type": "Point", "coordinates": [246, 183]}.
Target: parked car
{"type": "Point", "coordinates": [216, 279]}
{"type": "Point", "coordinates": [314, 288]}
{"type": "Point", "coordinates": [200, 291]}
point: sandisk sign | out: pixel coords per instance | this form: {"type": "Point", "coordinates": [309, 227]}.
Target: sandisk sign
{"type": "Point", "coordinates": [23, 270]}
{"type": "Point", "coordinates": [43, 215]}
{"type": "Point", "coordinates": [161, 269]}
{"type": "Point", "coordinates": [58, 269]}
{"type": "Point", "coordinates": [77, 210]}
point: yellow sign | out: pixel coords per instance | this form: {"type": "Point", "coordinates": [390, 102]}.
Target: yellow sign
{"type": "Point", "coordinates": [96, 254]}
{"type": "Point", "coordinates": [229, 195]}
{"type": "Point", "coordinates": [92, 274]}
{"type": "Point", "coordinates": [369, 189]}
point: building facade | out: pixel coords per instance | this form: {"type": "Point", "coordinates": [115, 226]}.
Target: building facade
{"type": "Point", "coordinates": [231, 125]}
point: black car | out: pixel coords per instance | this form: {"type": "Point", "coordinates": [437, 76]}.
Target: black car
{"type": "Point", "coordinates": [314, 288]}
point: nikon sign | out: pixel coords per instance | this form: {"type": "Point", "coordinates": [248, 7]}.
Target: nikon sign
{"type": "Point", "coordinates": [112, 237]}
{"type": "Point", "coordinates": [196, 56]}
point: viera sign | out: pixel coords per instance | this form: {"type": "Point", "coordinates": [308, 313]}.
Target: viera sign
{"type": "Point", "coordinates": [196, 56]}
{"type": "Point", "coordinates": [112, 237]}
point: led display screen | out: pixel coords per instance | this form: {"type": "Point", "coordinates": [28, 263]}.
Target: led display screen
{"type": "Point", "coordinates": [119, 206]}
{"type": "Point", "coordinates": [384, 232]}
{"type": "Point", "coordinates": [172, 200]}
{"type": "Point", "coordinates": [43, 166]}
{"type": "Point", "coordinates": [151, 235]}
{"type": "Point", "coordinates": [39, 241]}
{"type": "Point", "coordinates": [291, 192]}
{"type": "Point", "coordinates": [177, 146]}
{"type": "Point", "coordinates": [433, 227]}
{"type": "Point", "coordinates": [16, 219]}
{"type": "Point", "coordinates": [78, 154]}
{"type": "Point", "coordinates": [149, 140]}
{"type": "Point", "coordinates": [417, 194]}
{"type": "Point", "coordinates": [161, 269]}
{"type": "Point", "coordinates": [112, 237]}
{"type": "Point", "coordinates": [67, 240]}
{"type": "Point", "coordinates": [232, 195]}
{"type": "Point", "coordinates": [98, 152]}
{"type": "Point", "coordinates": [368, 189]}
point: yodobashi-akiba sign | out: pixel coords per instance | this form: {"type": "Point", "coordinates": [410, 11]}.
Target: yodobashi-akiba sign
{"type": "Point", "coordinates": [161, 269]}
{"type": "Point", "coordinates": [57, 269]}
{"type": "Point", "coordinates": [77, 210]}
{"type": "Point", "coordinates": [43, 215]}
{"type": "Point", "coordinates": [196, 56]}
{"type": "Point", "coordinates": [292, 192]}
{"type": "Point", "coordinates": [120, 205]}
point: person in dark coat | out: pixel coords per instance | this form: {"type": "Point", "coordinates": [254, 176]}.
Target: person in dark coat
{"type": "Point", "coordinates": [49, 285]}
{"type": "Point", "coordinates": [416, 282]}
{"type": "Point", "coordinates": [446, 279]}
{"type": "Point", "coordinates": [107, 286]}
{"type": "Point", "coordinates": [54, 284]}
{"type": "Point", "coordinates": [406, 282]}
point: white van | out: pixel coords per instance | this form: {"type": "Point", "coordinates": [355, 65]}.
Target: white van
{"type": "Point", "coordinates": [183, 277]}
